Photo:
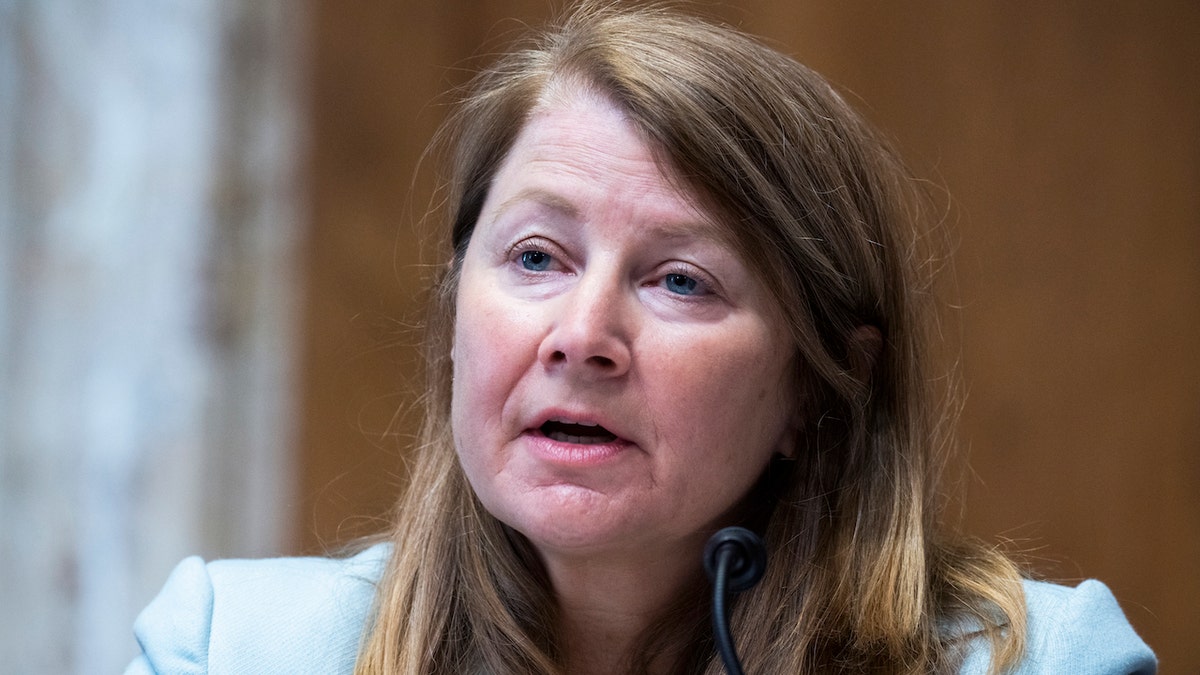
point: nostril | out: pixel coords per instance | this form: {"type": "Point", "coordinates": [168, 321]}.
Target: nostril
{"type": "Point", "coordinates": [600, 358]}
{"type": "Point", "coordinates": [557, 356]}
{"type": "Point", "coordinates": [602, 361]}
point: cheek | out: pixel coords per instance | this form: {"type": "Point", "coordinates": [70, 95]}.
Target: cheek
{"type": "Point", "coordinates": [474, 357]}
{"type": "Point", "coordinates": [731, 404]}
{"type": "Point", "coordinates": [490, 355]}
{"type": "Point", "coordinates": [490, 337]}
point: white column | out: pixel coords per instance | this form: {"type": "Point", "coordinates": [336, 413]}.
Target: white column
{"type": "Point", "coordinates": [147, 223]}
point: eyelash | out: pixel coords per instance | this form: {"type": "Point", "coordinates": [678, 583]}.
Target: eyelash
{"type": "Point", "coordinates": [704, 284]}
{"type": "Point", "coordinates": [707, 287]}
{"type": "Point", "coordinates": [517, 252]}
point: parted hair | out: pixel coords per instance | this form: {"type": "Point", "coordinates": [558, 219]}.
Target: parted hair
{"type": "Point", "coordinates": [862, 574]}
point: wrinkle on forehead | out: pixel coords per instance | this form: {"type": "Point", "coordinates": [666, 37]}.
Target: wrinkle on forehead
{"type": "Point", "coordinates": [567, 90]}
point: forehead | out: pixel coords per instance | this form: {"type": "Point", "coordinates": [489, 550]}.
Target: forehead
{"type": "Point", "coordinates": [577, 144]}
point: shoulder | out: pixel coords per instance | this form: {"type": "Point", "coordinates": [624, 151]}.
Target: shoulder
{"type": "Point", "coordinates": [291, 614]}
{"type": "Point", "coordinates": [1082, 628]}
{"type": "Point", "coordinates": [1075, 630]}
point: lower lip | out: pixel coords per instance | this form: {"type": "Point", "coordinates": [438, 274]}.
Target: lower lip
{"type": "Point", "coordinates": [574, 454]}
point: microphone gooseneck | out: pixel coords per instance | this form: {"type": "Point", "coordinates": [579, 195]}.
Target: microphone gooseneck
{"type": "Point", "coordinates": [735, 559]}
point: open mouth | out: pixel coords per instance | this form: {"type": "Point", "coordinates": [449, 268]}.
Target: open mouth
{"type": "Point", "coordinates": [582, 434]}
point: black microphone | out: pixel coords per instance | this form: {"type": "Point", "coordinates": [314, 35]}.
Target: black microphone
{"type": "Point", "coordinates": [735, 559]}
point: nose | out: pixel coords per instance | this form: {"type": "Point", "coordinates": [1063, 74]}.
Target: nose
{"type": "Point", "coordinates": [589, 335]}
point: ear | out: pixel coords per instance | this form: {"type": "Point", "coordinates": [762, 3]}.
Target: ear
{"type": "Point", "coordinates": [863, 346]}
{"type": "Point", "coordinates": [797, 422]}
{"type": "Point", "coordinates": [789, 441]}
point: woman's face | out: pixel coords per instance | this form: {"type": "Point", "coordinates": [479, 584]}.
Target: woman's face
{"type": "Point", "coordinates": [621, 378]}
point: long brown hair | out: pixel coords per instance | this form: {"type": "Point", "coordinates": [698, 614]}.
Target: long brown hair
{"type": "Point", "coordinates": [861, 575]}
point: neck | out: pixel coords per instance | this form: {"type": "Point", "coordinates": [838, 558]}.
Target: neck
{"type": "Point", "coordinates": [607, 605]}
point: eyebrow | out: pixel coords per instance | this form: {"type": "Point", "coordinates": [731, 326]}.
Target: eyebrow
{"type": "Point", "coordinates": [542, 198]}
{"type": "Point", "coordinates": [699, 227]}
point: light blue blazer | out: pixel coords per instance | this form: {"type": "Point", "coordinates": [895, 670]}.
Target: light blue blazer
{"type": "Point", "coordinates": [306, 615]}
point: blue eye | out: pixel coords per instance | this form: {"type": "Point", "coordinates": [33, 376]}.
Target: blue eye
{"type": "Point", "coordinates": [535, 261]}
{"type": "Point", "coordinates": [680, 283]}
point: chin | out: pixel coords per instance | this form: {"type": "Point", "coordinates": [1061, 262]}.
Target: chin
{"type": "Point", "coordinates": [574, 525]}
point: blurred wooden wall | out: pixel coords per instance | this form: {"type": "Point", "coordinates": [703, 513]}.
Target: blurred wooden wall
{"type": "Point", "coordinates": [1068, 137]}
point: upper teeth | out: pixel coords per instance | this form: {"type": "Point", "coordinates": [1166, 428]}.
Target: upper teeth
{"type": "Point", "coordinates": [564, 430]}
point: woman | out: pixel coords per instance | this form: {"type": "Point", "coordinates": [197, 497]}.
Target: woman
{"type": "Point", "coordinates": [684, 291]}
